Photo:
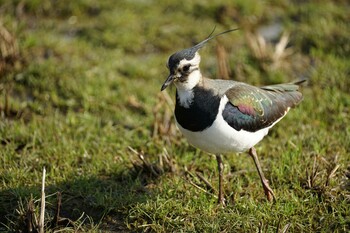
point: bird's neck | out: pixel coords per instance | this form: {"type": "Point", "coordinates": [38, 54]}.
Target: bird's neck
{"type": "Point", "coordinates": [185, 89]}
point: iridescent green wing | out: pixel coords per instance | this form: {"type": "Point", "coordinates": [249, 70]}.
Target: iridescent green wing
{"type": "Point", "coordinates": [253, 108]}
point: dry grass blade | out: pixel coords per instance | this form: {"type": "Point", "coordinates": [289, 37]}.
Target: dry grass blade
{"type": "Point", "coordinates": [169, 162]}
{"type": "Point", "coordinates": [165, 164]}
{"type": "Point", "coordinates": [200, 188]}
{"type": "Point", "coordinates": [320, 175]}
{"type": "Point", "coordinates": [135, 105]}
{"type": "Point", "coordinates": [206, 182]}
{"type": "Point", "coordinates": [270, 56]}
{"type": "Point", "coordinates": [260, 227]}
{"type": "Point", "coordinates": [163, 126]}
{"type": "Point", "coordinates": [30, 218]}
{"type": "Point", "coordinates": [9, 51]}
{"type": "Point", "coordinates": [332, 174]}
{"type": "Point", "coordinates": [151, 168]}
{"type": "Point", "coordinates": [311, 176]}
{"type": "Point", "coordinates": [280, 48]}
{"type": "Point", "coordinates": [8, 44]}
{"type": "Point", "coordinates": [56, 219]}
{"type": "Point", "coordinates": [42, 206]}
{"type": "Point", "coordinates": [286, 228]}
{"type": "Point", "coordinates": [198, 178]}
{"type": "Point", "coordinates": [222, 58]}
{"type": "Point", "coordinates": [190, 174]}
{"type": "Point", "coordinates": [257, 45]}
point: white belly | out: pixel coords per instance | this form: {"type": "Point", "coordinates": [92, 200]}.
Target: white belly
{"type": "Point", "coordinates": [222, 138]}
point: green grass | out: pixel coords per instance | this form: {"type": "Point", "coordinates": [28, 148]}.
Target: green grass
{"type": "Point", "coordinates": [85, 88]}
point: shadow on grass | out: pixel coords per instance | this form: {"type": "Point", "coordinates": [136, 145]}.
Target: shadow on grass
{"type": "Point", "coordinates": [92, 203]}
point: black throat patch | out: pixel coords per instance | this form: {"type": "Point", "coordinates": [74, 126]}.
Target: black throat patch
{"type": "Point", "coordinates": [202, 111]}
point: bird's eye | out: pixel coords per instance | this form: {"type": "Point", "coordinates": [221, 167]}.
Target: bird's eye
{"type": "Point", "coordinates": [186, 68]}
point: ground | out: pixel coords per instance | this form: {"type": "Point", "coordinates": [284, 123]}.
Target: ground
{"type": "Point", "coordinates": [80, 95]}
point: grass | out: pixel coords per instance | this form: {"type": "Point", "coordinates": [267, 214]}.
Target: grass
{"type": "Point", "coordinates": [79, 95]}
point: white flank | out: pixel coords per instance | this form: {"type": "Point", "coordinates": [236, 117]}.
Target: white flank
{"type": "Point", "coordinates": [222, 138]}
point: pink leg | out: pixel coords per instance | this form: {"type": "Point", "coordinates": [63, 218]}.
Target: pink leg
{"type": "Point", "coordinates": [265, 183]}
{"type": "Point", "coordinates": [221, 200]}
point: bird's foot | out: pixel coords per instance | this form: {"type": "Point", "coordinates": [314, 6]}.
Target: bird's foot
{"type": "Point", "coordinates": [221, 201]}
{"type": "Point", "coordinates": [270, 195]}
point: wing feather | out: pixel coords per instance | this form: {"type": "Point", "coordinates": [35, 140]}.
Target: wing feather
{"type": "Point", "coordinates": [252, 108]}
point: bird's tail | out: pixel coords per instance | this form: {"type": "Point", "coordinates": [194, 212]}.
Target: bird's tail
{"type": "Point", "coordinates": [287, 92]}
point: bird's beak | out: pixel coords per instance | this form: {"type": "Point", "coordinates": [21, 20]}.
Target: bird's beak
{"type": "Point", "coordinates": [168, 81]}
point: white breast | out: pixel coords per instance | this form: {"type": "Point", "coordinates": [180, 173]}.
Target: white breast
{"type": "Point", "coordinates": [222, 138]}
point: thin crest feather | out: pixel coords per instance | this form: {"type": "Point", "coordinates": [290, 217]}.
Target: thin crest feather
{"type": "Point", "coordinates": [190, 53]}
{"type": "Point", "coordinates": [210, 37]}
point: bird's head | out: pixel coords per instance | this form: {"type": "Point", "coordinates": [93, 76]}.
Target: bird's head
{"type": "Point", "coordinates": [185, 62]}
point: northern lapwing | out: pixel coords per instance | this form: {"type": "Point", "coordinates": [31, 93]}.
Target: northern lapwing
{"type": "Point", "coordinates": [223, 116]}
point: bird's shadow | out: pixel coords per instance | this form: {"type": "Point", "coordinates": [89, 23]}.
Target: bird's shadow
{"type": "Point", "coordinates": [104, 199]}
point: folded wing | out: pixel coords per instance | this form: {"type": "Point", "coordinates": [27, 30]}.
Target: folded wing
{"type": "Point", "coordinates": [253, 108]}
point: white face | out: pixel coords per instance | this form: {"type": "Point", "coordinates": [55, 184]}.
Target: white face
{"type": "Point", "coordinates": [187, 74]}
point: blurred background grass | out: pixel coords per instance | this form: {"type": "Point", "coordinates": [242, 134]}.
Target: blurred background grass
{"type": "Point", "coordinates": [80, 94]}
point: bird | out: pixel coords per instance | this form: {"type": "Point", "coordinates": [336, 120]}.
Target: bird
{"type": "Point", "coordinates": [225, 116]}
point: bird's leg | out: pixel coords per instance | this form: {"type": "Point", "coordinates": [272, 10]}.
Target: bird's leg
{"type": "Point", "coordinates": [221, 200]}
{"type": "Point", "coordinates": [265, 183]}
